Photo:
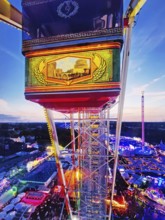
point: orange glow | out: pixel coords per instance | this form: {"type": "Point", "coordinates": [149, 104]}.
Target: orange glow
{"type": "Point", "coordinates": [109, 85]}
{"type": "Point", "coordinates": [72, 177]}
{"type": "Point", "coordinates": [118, 202]}
{"type": "Point", "coordinates": [73, 49]}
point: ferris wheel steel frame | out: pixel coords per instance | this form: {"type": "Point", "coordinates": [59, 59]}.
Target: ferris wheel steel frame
{"type": "Point", "coordinates": [87, 209]}
{"type": "Point", "coordinates": [93, 158]}
{"type": "Point", "coordinates": [89, 204]}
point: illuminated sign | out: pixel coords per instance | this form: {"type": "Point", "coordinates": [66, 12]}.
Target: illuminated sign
{"type": "Point", "coordinates": [69, 76]}
{"type": "Point", "coordinates": [66, 70]}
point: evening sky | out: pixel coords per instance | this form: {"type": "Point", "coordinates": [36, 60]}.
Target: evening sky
{"type": "Point", "coordinates": [146, 70]}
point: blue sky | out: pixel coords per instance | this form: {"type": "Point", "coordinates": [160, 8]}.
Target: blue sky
{"type": "Point", "coordinates": [146, 70]}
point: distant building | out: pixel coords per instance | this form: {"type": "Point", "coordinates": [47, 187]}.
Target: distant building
{"type": "Point", "coordinates": [34, 198]}
{"type": "Point", "coordinates": [9, 146]}
{"type": "Point", "coordinates": [41, 175]}
{"type": "Point", "coordinates": [162, 146]}
{"type": "Point", "coordinates": [136, 181]}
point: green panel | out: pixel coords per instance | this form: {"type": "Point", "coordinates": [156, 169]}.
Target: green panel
{"type": "Point", "coordinates": [92, 67]}
{"type": "Point", "coordinates": [116, 65]}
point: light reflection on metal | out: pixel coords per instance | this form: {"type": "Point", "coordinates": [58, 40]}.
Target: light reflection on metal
{"type": "Point", "coordinates": [10, 15]}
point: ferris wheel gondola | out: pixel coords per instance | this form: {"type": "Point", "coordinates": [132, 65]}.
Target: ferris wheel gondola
{"type": "Point", "coordinates": [73, 66]}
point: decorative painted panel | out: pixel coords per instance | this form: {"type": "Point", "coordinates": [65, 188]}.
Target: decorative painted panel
{"type": "Point", "coordinates": [67, 71]}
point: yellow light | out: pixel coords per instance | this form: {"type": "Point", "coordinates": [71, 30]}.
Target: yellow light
{"type": "Point", "coordinates": [78, 175]}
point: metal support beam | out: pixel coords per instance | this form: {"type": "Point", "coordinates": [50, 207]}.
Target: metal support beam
{"type": "Point", "coordinates": [124, 72]}
{"type": "Point", "coordinates": [55, 145]}
{"type": "Point", "coordinates": [143, 130]}
{"type": "Point", "coordinates": [136, 6]}
{"type": "Point", "coordinates": [10, 14]}
{"type": "Point", "coordinates": [72, 138]}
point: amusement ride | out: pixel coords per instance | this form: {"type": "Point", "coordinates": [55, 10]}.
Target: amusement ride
{"type": "Point", "coordinates": [72, 50]}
